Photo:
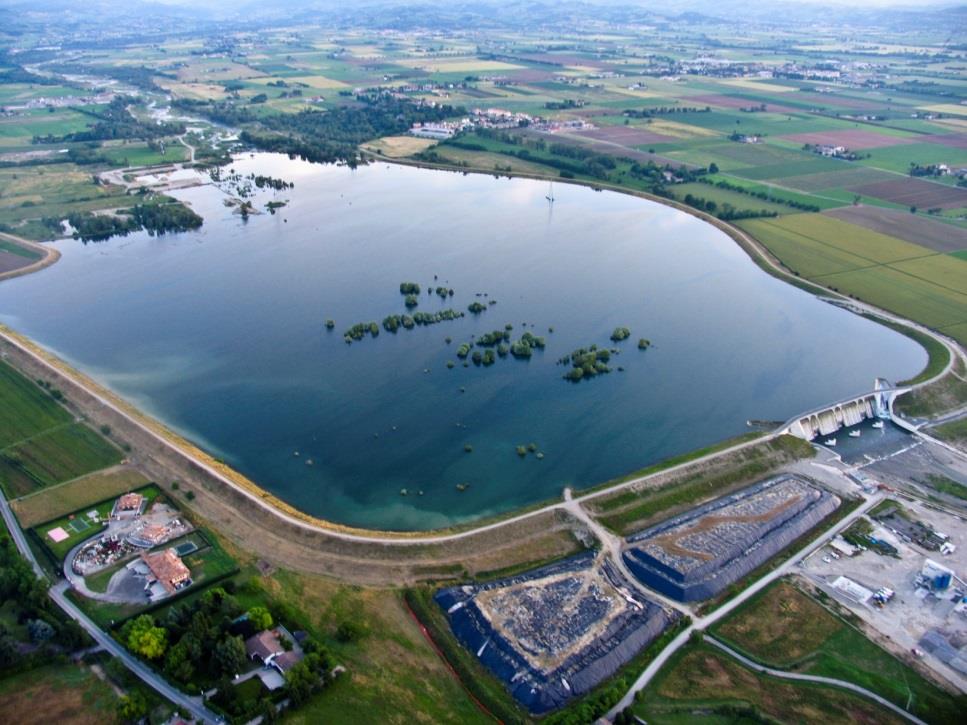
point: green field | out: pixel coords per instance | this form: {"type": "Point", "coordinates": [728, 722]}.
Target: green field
{"type": "Point", "coordinates": [19, 250]}
{"type": "Point", "coordinates": [57, 693]}
{"type": "Point", "coordinates": [56, 501]}
{"type": "Point", "coordinates": [25, 408]}
{"type": "Point", "coordinates": [631, 510]}
{"type": "Point", "coordinates": [783, 628]}
{"type": "Point", "coordinates": [57, 455]}
{"type": "Point", "coordinates": [701, 679]}
{"type": "Point", "coordinates": [898, 276]}
{"type": "Point", "coordinates": [727, 196]}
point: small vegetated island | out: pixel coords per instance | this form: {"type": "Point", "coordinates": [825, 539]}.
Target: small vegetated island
{"type": "Point", "coordinates": [584, 362]}
{"type": "Point", "coordinates": [589, 362]}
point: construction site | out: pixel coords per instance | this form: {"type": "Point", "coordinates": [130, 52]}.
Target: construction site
{"type": "Point", "coordinates": [696, 555]}
{"type": "Point", "coordinates": [912, 591]}
{"type": "Point", "coordinates": [556, 632]}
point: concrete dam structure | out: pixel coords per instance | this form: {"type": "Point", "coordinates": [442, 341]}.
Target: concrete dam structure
{"type": "Point", "coordinates": [845, 413]}
{"type": "Point", "coordinates": [696, 555]}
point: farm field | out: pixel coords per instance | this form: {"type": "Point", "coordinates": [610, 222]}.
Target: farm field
{"type": "Point", "coordinates": [888, 272]}
{"type": "Point", "coordinates": [25, 408]}
{"type": "Point", "coordinates": [935, 235]}
{"type": "Point", "coordinates": [53, 457]}
{"type": "Point", "coordinates": [784, 628]}
{"type": "Point", "coordinates": [56, 501]}
{"type": "Point", "coordinates": [643, 100]}
{"type": "Point", "coordinates": [744, 202]}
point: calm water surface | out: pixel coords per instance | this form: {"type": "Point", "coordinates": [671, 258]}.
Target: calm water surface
{"type": "Point", "coordinates": [220, 334]}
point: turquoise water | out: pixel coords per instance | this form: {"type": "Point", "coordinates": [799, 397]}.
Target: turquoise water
{"type": "Point", "coordinates": [220, 333]}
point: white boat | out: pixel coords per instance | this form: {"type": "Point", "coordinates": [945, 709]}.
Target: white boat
{"type": "Point", "coordinates": [878, 424]}
{"type": "Point", "coordinates": [855, 434]}
{"type": "Point", "coordinates": [829, 442]}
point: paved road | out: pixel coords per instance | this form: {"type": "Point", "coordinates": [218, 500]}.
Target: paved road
{"type": "Point", "coordinates": [191, 705]}
{"type": "Point", "coordinates": [704, 622]}
{"type": "Point", "coordinates": [58, 593]}
{"type": "Point", "coordinates": [13, 526]}
{"type": "Point", "coordinates": [814, 678]}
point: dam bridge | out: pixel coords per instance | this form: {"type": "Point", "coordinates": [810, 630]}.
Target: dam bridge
{"type": "Point", "coordinates": [830, 418]}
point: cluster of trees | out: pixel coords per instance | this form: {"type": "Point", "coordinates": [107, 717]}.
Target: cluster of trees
{"type": "Point", "coordinates": [157, 217]}
{"type": "Point", "coordinates": [267, 181]}
{"type": "Point", "coordinates": [925, 170]}
{"type": "Point", "coordinates": [726, 211]}
{"type": "Point", "coordinates": [163, 216]}
{"type": "Point", "coordinates": [138, 76]}
{"type": "Point", "coordinates": [333, 136]}
{"type": "Point", "coordinates": [47, 630]}
{"type": "Point", "coordinates": [490, 339]}
{"type": "Point", "coordinates": [476, 307]}
{"type": "Point", "coordinates": [358, 331]}
{"type": "Point", "coordinates": [662, 111]}
{"type": "Point", "coordinates": [113, 121]}
{"type": "Point", "coordinates": [17, 74]}
{"type": "Point", "coordinates": [392, 323]}
{"type": "Point", "coordinates": [764, 195]}
{"type": "Point", "coordinates": [200, 644]}
{"type": "Point", "coordinates": [409, 288]}
{"type": "Point", "coordinates": [586, 363]}
{"type": "Point", "coordinates": [98, 227]}
{"type": "Point", "coordinates": [620, 333]}
{"type": "Point", "coordinates": [563, 105]}
{"type": "Point", "coordinates": [525, 346]}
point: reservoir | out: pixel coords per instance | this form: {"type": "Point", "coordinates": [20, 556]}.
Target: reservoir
{"type": "Point", "coordinates": [221, 334]}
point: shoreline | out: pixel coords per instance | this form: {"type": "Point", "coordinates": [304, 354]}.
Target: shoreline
{"type": "Point", "coordinates": [162, 439]}
{"type": "Point", "coordinates": [50, 255]}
